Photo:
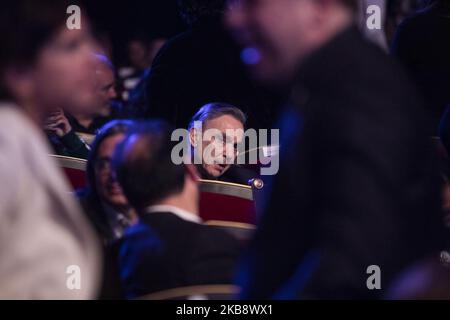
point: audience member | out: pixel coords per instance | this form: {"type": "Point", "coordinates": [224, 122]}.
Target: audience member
{"type": "Point", "coordinates": [422, 45]}
{"type": "Point", "coordinates": [103, 200]}
{"type": "Point", "coordinates": [141, 53]}
{"type": "Point", "coordinates": [169, 247]}
{"type": "Point", "coordinates": [105, 204]}
{"type": "Point", "coordinates": [397, 11]}
{"type": "Point", "coordinates": [218, 165]}
{"type": "Point", "coordinates": [63, 138]}
{"type": "Point", "coordinates": [91, 120]}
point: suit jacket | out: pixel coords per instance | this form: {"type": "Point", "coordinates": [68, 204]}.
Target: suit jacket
{"type": "Point", "coordinates": [357, 184]}
{"type": "Point", "coordinates": [164, 251]}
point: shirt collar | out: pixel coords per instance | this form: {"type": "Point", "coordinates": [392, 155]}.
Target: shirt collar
{"type": "Point", "coordinates": [183, 214]}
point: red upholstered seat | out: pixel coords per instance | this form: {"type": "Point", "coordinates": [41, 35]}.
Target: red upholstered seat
{"type": "Point", "coordinates": [77, 178]}
{"type": "Point", "coordinates": [74, 169]}
{"type": "Point", "coordinates": [227, 202]}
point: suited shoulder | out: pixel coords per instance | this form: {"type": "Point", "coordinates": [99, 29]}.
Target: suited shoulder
{"type": "Point", "coordinates": [379, 69]}
{"type": "Point", "coordinates": [213, 238]}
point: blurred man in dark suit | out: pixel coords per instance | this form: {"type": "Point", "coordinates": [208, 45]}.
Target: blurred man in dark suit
{"type": "Point", "coordinates": [356, 183]}
{"type": "Point", "coordinates": [169, 247]}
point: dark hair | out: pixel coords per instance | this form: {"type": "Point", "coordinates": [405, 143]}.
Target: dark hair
{"type": "Point", "coordinates": [215, 110]}
{"type": "Point", "coordinates": [25, 27]}
{"type": "Point", "coordinates": [144, 166]}
{"type": "Point", "coordinates": [108, 130]}
{"type": "Point", "coordinates": [192, 11]}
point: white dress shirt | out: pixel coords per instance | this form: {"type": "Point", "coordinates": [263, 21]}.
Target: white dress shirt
{"type": "Point", "coordinates": [183, 214]}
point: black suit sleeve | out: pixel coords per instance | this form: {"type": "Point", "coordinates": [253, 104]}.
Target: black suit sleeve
{"type": "Point", "coordinates": [351, 192]}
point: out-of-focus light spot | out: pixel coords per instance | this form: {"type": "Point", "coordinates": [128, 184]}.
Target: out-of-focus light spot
{"type": "Point", "coordinates": [250, 56]}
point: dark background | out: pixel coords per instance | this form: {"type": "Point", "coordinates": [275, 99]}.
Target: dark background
{"type": "Point", "coordinates": [120, 20]}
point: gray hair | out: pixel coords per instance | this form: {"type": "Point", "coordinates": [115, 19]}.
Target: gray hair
{"type": "Point", "coordinates": [214, 110]}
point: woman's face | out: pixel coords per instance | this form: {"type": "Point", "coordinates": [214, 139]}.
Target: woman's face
{"type": "Point", "coordinates": [64, 73]}
{"type": "Point", "coordinates": [108, 188]}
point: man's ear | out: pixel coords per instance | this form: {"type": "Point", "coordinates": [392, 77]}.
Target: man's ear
{"type": "Point", "coordinates": [192, 172]}
{"type": "Point", "coordinates": [193, 137]}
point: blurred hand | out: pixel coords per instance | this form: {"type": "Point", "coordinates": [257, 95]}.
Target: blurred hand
{"type": "Point", "coordinates": [58, 124]}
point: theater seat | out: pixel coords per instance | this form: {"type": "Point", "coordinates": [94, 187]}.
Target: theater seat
{"type": "Point", "coordinates": [224, 201]}
{"type": "Point", "coordinates": [241, 231]}
{"type": "Point", "coordinates": [204, 292]}
{"type": "Point", "coordinates": [74, 169]}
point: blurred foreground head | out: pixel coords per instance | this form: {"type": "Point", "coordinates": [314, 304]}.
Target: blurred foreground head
{"type": "Point", "coordinates": [277, 35]}
{"type": "Point", "coordinates": [44, 65]}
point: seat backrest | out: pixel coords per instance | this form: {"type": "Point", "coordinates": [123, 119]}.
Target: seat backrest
{"type": "Point", "coordinates": [74, 169]}
{"type": "Point", "coordinates": [241, 231]}
{"type": "Point", "coordinates": [204, 292]}
{"type": "Point", "coordinates": [226, 201]}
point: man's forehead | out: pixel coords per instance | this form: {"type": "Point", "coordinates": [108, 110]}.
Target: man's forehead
{"type": "Point", "coordinates": [223, 123]}
{"type": "Point", "coordinates": [230, 135]}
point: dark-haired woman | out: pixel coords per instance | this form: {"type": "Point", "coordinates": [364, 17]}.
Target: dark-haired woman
{"type": "Point", "coordinates": [103, 199]}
